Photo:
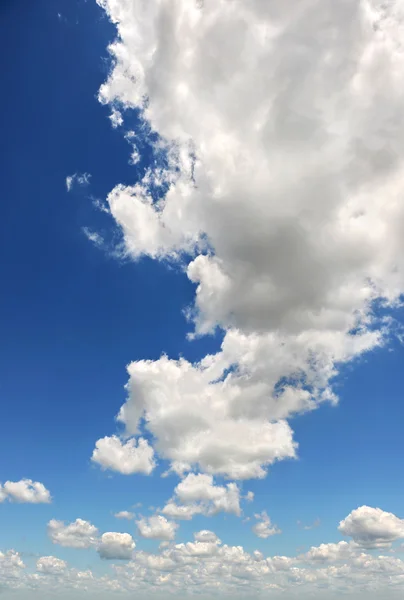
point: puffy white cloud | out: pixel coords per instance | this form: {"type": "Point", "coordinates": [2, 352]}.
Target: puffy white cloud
{"type": "Point", "coordinates": [157, 527]}
{"type": "Point", "coordinates": [285, 169]}
{"type": "Point", "coordinates": [50, 565]}
{"type": "Point", "coordinates": [79, 534]}
{"type": "Point", "coordinates": [11, 565]}
{"type": "Point", "coordinates": [264, 528]}
{"type": "Point", "coordinates": [372, 527]}
{"type": "Point", "coordinates": [118, 546]}
{"type": "Point", "coordinates": [331, 552]}
{"type": "Point", "coordinates": [198, 494]}
{"type": "Point", "coordinates": [26, 490]}
{"type": "Point", "coordinates": [81, 179]}
{"type": "Point", "coordinates": [127, 458]}
{"type": "Point", "coordinates": [125, 514]}
{"type": "Point", "coordinates": [206, 536]}
{"type": "Point", "coordinates": [208, 567]}
{"type": "Point", "coordinates": [181, 511]}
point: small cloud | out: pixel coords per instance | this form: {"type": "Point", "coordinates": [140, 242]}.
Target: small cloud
{"type": "Point", "coordinates": [135, 156]}
{"type": "Point", "coordinates": [116, 118]}
{"type": "Point", "coordinates": [125, 514]}
{"type": "Point", "coordinates": [93, 236]}
{"type": "Point", "coordinates": [100, 205]}
{"type": "Point", "coordinates": [264, 528]}
{"type": "Point", "coordinates": [81, 179]}
{"type": "Point", "coordinates": [25, 491]}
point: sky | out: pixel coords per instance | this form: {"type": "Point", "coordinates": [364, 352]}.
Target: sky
{"type": "Point", "coordinates": [202, 273]}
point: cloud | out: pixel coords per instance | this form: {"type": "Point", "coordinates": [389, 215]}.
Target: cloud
{"type": "Point", "coordinates": [126, 458]}
{"type": "Point", "coordinates": [181, 512]}
{"type": "Point", "coordinates": [157, 527]}
{"type": "Point", "coordinates": [209, 567]}
{"type": "Point", "coordinates": [198, 494]}
{"type": "Point", "coordinates": [50, 565]}
{"type": "Point", "coordinates": [81, 179]}
{"type": "Point", "coordinates": [79, 534]}
{"type": "Point", "coordinates": [125, 514]}
{"type": "Point", "coordinates": [264, 528]}
{"type": "Point", "coordinates": [372, 527]}
{"type": "Point", "coordinates": [25, 491]}
{"type": "Point", "coordinates": [206, 536]}
{"type": "Point", "coordinates": [116, 546]}
{"type": "Point", "coordinates": [116, 118]}
{"type": "Point", "coordinates": [331, 552]}
{"type": "Point", "coordinates": [285, 205]}
{"type": "Point", "coordinates": [93, 237]}
{"type": "Point", "coordinates": [11, 566]}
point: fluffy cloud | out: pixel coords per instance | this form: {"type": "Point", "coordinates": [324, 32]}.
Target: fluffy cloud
{"type": "Point", "coordinates": [79, 534]}
{"type": "Point", "coordinates": [81, 179]}
{"type": "Point", "coordinates": [50, 565]}
{"type": "Point", "coordinates": [331, 552]}
{"type": "Point", "coordinates": [127, 458]}
{"type": "Point", "coordinates": [26, 490]}
{"type": "Point", "coordinates": [11, 565]}
{"type": "Point", "coordinates": [208, 567]}
{"type": "Point", "coordinates": [283, 190]}
{"type": "Point", "coordinates": [118, 546]}
{"type": "Point", "coordinates": [198, 494]}
{"type": "Point", "coordinates": [372, 527]}
{"type": "Point", "coordinates": [157, 527]}
{"type": "Point", "coordinates": [206, 536]}
{"type": "Point", "coordinates": [264, 528]}
{"type": "Point", "coordinates": [125, 514]}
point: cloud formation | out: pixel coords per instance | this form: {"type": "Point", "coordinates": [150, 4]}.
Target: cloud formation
{"type": "Point", "coordinates": [79, 534]}
{"type": "Point", "coordinates": [125, 514]}
{"type": "Point", "coordinates": [198, 494]}
{"type": "Point", "coordinates": [157, 527]}
{"type": "Point", "coordinates": [281, 193]}
{"type": "Point", "coordinates": [116, 546]}
{"type": "Point", "coordinates": [25, 491]}
{"type": "Point", "coordinates": [81, 179]}
{"type": "Point", "coordinates": [372, 527]}
{"type": "Point", "coordinates": [264, 528]}
{"type": "Point", "coordinates": [126, 458]}
{"type": "Point", "coordinates": [208, 566]}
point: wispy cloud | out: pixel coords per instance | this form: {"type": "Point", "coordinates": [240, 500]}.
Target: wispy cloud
{"type": "Point", "coordinates": [81, 179]}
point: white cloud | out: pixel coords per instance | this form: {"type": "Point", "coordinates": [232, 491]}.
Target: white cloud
{"type": "Point", "coordinates": [126, 458]}
{"type": "Point", "coordinates": [157, 527]}
{"type": "Point", "coordinates": [125, 514]}
{"type": "Point", "coordinates": [93, 237]}
{"type": "Point", "coordinates": [79, 534]}
{"type": "Point", "coordinates": [208, 567]}
{"type": "Point", "coordinates": [118, 546]}
{"type": "Point", "coordinates": [331, 552]}
{"type": "Point", "coordinates": [50, 565]}
{"type": "Point", "coordinates": [180, 511]}
{"type": "Point", "coordinates": [198, 494]}
{"type": "Point", "coordinates": [372, 527]}
{"type": "Point", "coordinates": [81, 179]}
{"type": "Point", "coordinates": [116, 118]}
{"type": "Point", "coordinates": [26, 491]}
{"type": "Point", "coordinates": [287, 201]}
{"type": "Point", "coordinates": [264, 528]}
{"type": "Point", "coordinates": [206, 536]}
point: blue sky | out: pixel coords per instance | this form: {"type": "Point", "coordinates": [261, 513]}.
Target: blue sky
{"type": "Point", "coordinates": [75, 313]}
